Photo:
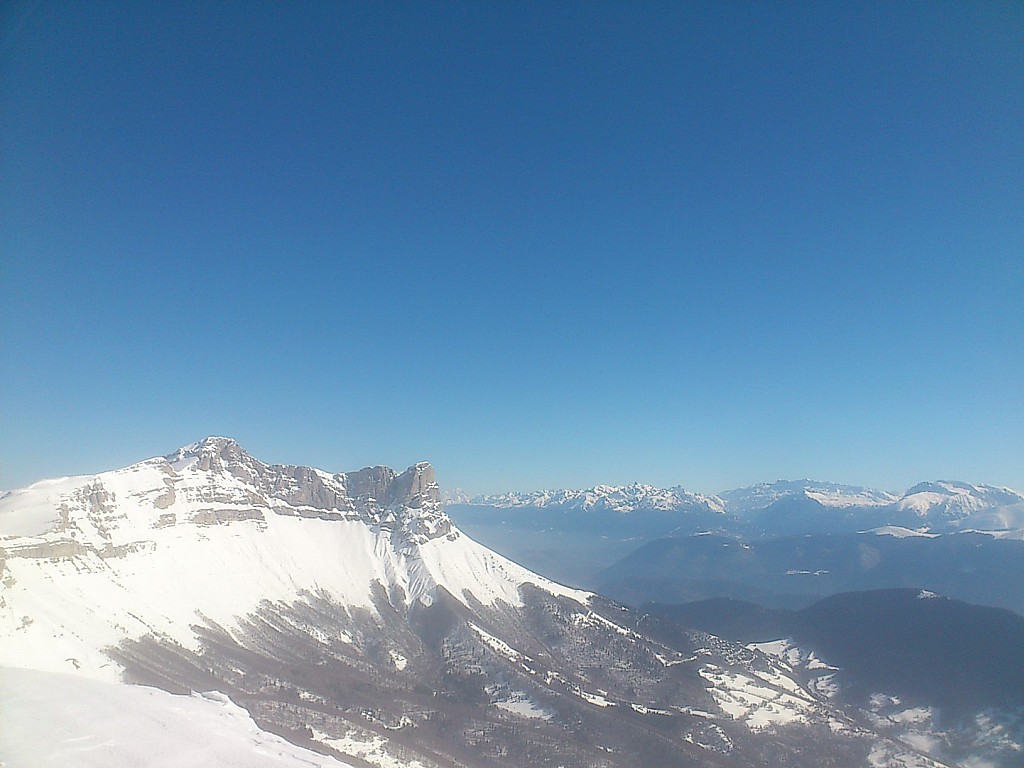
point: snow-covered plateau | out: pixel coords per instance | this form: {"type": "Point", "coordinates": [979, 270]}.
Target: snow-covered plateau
{"type": "Point", "coordinates": [91, 561]}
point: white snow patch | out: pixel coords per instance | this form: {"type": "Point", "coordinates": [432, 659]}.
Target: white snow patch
{"type": "Point", "coordinates": [791, 654]}
{"type": "Point", "coordinates": [667, 662]}
{"type": "Point", "coordinates": [782, 649]}
{"type": "Point", "coordinates": [371, 748]}
{"type": "Point", "coordinates": [841, 499]}
{"type": "Point", "coordinates": [1015, 534]}
{"type": "Point", "coordinates": [755, 703]}
{"type": "Point", "coordinates": [597, 699]}
{"type": "Point", "coordinates": [890, 755]}
{"type": "Point", "coordinates": [398, 660]}
{"type": "Point", "coordinates": [497, 645]}
{"type": "Point", "coordinates": [645, 710]}
{"type": "Point", "coordinates": [900, 532]}
{"type": "Point", "coordinates": [813, 662]}
{"type": "Point", "coordinates": [698, 713]}
{"type": "Point", "coordinates": [524, 707]}
{"type": "Point", "coordinates": [825, 685]}
{"type": "Point", "coordinates": [67, 720]}
{"type": "Point", "coordinates": [591, 619]}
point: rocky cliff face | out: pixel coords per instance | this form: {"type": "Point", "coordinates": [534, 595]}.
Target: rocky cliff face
{"type": "Point", "coordinates": [410, 500]}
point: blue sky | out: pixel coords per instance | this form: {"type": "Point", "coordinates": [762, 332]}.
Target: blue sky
{"type": "Point", "coordinates": [540, 245]}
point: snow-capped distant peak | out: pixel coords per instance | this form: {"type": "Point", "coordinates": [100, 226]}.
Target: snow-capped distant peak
{"type": "Point", "coordinates": [953, 501]}
{"type": "Point", "coordinates": [763, 495]}
{"type": "Point", "coordinates": [613, 498]}
{"type": "Point", "coordinates": [208, 445]}
{"type": "Point", "coordinates": [456, 496]}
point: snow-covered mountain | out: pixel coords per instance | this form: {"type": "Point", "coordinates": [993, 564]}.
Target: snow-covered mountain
{"type": "Point", "coordinates": [962, 505]}
{"type": "Point", "coordinates": [345, 613]}
{"type": "Point", "coordinates": [571, 535]}
{"type": "Point", "coordinates": [162, 535]}
{"type": "Point", "coordinates": [940, 505]}
{"type": "Point", "coordinates": [614, 498]}
{"type": "Point", "coordinates": [764, 495]}
{"type": "Point", "coordinates": [456, 496]}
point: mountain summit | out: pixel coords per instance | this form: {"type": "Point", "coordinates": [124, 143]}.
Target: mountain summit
{"type": "Point", "coordinates": [375, 494]}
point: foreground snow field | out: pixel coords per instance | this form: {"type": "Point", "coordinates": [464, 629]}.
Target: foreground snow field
{"type": "Point", "coordinates": [54, 719]}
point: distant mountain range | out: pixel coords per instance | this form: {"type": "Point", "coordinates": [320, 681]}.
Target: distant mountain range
{"type": "Point", "coordinates": [763, 495]}
{"type": "Point", "coordinates": [572, 535]}
{"type": "Point", "coordinates": [941, 504]}
{"type": "Point", "coordinates": [608, 498]}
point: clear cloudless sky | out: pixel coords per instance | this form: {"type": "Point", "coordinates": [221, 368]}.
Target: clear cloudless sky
{"type": "Point", "coordinates": [538, 244]}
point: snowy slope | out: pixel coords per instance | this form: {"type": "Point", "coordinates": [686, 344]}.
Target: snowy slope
{"type": "Point", "coordinates": [59, 719]}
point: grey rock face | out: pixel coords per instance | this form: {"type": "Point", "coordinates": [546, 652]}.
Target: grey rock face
{"type": "Point", "coordinates": [303, 486]}
{"type": "Point", "coordinates": [415, 487]}
{"type": "Point", "coordinates": [409, 502]}
{"type": "Point", "coordinates": [369, 482]}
